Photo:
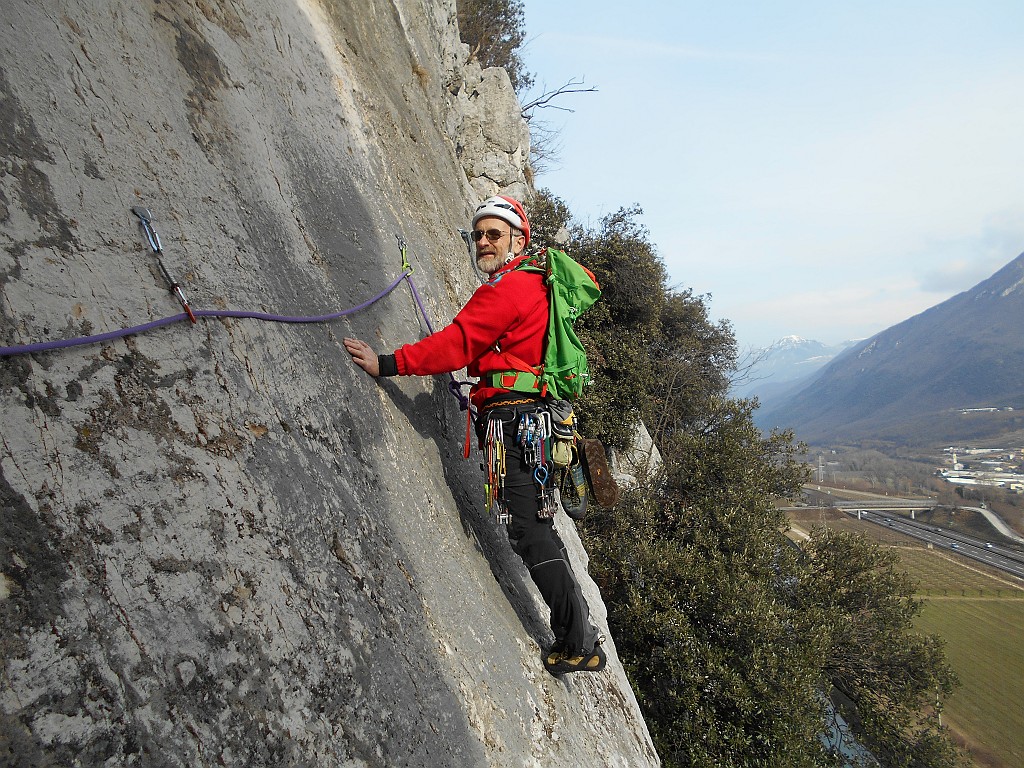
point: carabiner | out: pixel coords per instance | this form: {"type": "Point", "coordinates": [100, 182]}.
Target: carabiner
{"type": "Point", "coordinates": [402, 247]}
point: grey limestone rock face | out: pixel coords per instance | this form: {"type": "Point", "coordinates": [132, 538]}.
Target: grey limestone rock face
{"type": "Point", "coordinates": [221, 543]}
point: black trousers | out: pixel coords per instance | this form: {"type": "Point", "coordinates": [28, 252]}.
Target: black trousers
{"type": "Point", "coordinates": [537, 542]}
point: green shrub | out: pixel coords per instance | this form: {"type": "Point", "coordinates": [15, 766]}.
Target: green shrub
{"type": "Point", "coordinates": [495, 33]}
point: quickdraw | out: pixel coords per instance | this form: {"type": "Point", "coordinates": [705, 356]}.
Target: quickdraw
{"type": "Point", "coordinates": [145, 218]}
{"type": "Point", "coordinates": [494, 466]}
{"type": "Point", "coordinates": [146, 222]}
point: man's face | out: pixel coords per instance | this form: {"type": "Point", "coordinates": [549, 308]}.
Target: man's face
{"type": "Point", "coordinates": [491, 254]}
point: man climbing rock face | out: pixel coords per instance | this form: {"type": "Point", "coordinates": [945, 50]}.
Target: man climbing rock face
{"type": "Point", "coordinates": [507, 315]}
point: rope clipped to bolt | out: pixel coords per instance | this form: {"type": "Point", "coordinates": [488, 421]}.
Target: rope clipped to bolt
{"type": "Point", "coordinates": [454, 385]}
{"type": "Point", "coordinates": [146, 223]}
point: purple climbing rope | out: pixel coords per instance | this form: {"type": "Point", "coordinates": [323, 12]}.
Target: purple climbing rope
{"type": "Point", "coordinates": [454, 386]}
{"type": "Point", "coordinates": [78, 341]}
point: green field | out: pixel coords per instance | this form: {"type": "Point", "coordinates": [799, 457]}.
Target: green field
{"type": "Point", "coordinates": [979, 612]}
{"type": "Point", "coordinates": [940, 574]}
{"type": "Point", "coordinates": [984, 645]}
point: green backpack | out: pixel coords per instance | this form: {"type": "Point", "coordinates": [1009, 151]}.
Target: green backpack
{"type": "Point", "coordinates": [572, 290]}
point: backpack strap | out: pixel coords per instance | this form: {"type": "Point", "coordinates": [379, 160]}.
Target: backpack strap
{"type": "Point", "coordinates": [532, 264]}
{"type": "Point", "coordinates": [523, 377]}
{"type": "Point", "coordinates": [517, 381]}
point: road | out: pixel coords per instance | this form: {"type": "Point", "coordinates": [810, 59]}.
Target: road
{"type": "Point", "coordinates": [1005, 559]}
{"type": "Point", "coordinates": [997, 523]}
{"type": "Point", "coordinates": [888, 511]}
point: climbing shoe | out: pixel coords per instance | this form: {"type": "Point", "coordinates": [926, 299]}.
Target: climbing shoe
{"type": "Point", "coordinates": [558, 662]}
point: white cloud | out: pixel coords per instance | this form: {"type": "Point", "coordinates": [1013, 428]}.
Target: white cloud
{"type": "Point", "coordinates": [951, 276]}
{"type": "Point", "coordinates": [831, 316]}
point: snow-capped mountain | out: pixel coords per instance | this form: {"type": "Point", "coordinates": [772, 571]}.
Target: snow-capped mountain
{"type": "Point", "coordinates": [773, 369]}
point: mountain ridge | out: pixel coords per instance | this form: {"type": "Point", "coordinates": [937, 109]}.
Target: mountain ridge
{"type": "Point", "coordinates": [964, 352]}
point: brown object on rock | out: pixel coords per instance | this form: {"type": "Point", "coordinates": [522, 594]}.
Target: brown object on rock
{"type": "Point", "coordinates": [595, 463]}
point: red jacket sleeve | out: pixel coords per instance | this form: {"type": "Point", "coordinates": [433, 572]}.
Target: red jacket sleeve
{"type": "Point", "coordinates": [487, 315]}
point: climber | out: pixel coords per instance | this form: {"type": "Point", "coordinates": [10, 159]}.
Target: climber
{"type": "Point", "coordinates": [507, 314]}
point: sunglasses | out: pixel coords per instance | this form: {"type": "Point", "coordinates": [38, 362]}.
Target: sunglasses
{"type": "Point", "coordinates": [494, 235]}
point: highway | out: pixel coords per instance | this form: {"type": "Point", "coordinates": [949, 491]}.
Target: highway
{"type": "Point", "coordinates": [1001, 557]}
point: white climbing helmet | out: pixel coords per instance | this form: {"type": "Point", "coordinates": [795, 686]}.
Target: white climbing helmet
{"type": "Point", "coordinates": [507, 209]}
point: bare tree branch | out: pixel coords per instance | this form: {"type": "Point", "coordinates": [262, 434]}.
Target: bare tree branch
{"type": "Point", "coordinates": [544, 100]}
{"type": "Point", "coordinates": [743, 372]}
{"type": "Point", "coordinates": [545, 145]}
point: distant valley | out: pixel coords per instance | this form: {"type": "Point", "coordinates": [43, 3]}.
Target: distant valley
{"type": "Point", "coordinates": [955, 372]}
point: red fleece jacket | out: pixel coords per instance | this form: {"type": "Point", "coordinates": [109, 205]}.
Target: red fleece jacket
{"type": "Point", "coordinates": [510, 310]}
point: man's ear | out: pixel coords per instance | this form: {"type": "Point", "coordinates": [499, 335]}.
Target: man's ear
{"type": "Point", "coordinates": [520, 244]}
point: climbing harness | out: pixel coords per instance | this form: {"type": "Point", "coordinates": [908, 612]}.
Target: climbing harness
{"type": "Point", "coordinates": [146, 222]}
{"type": "Point", "coordinates": [546, 437]}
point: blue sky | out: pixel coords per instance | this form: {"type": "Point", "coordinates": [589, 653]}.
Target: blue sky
{"type": "Point", "coordinates": [824, 169]}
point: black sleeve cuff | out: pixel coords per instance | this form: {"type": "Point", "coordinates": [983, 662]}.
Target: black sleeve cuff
{"type": "Point", "coordinates": [388, 365]}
